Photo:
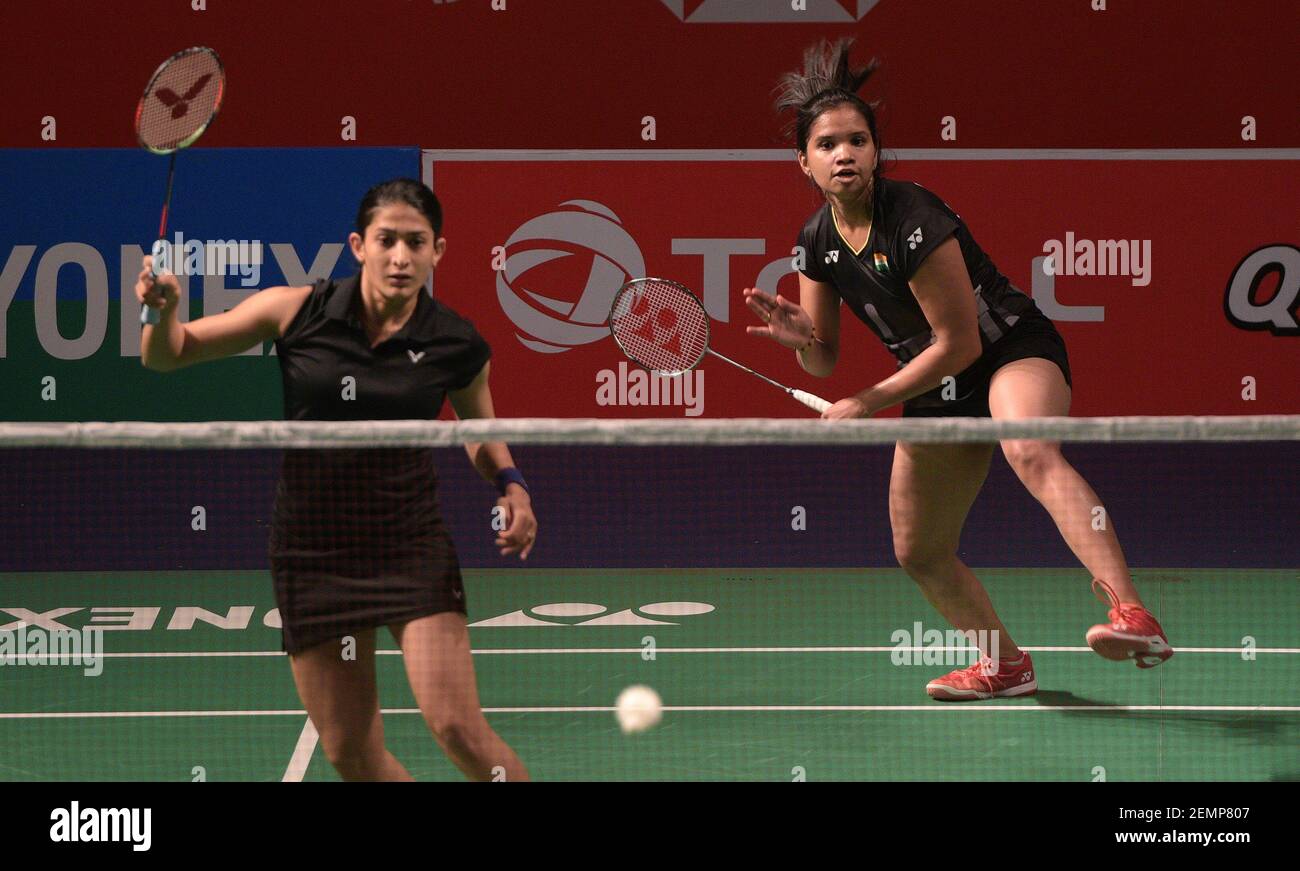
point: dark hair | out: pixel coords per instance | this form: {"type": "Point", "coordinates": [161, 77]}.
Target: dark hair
{"type": "Point", "coordinates": [400, 190]}
{"type": "Point", "coordinates": [827, 81]}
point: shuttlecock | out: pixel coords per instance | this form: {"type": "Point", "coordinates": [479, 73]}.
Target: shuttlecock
{"type": "Point", "coordinates": [638, 708]}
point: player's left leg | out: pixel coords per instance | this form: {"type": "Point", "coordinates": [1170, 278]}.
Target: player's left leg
{"type": "Point", "coordinates": [440, 668]}
{"type": "Point", "coordinates": [1036, 387]}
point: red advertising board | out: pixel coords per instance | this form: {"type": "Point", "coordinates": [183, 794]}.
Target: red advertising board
{"type": "Point", "coordinates": [1176, 289]}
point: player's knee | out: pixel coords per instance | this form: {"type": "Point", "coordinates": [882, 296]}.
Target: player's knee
{"type": "Point", "coordinates": [456, 731]}
{"type": "Point", "coordinates": [1031, 461]}
{"type": "Point", "coordinates": [352, 758]}
{"type": "Point", "coordinates": [920, 558]}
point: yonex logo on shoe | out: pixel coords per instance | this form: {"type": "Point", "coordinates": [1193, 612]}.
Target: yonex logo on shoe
{"type": "Point", "coordinates": [915, 239]}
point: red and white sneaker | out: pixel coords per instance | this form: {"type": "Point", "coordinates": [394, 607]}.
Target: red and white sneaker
{"type": "Point", "coordinates": [1132, 632]}
{"type": "Point", "coordinates": [968, 684]}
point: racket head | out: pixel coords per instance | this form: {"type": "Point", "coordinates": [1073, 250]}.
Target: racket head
{"type": "Point", "coordinates": [660, 325]}
{"type": "Point", "coordinates": [180, 101]}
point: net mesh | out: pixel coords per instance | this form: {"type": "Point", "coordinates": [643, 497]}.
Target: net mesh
{"type": "Point", "coordinates": [748, 571]}
{"type": "Point", "coordinates": [180, 101]}
{"type": "Point", "coordinates": [660, 325]}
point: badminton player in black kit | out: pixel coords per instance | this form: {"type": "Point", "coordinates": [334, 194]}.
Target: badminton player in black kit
{"type": "Point", "coordinates": [356, 540]}
{"type": "Point", "coordinates": [907, 266]}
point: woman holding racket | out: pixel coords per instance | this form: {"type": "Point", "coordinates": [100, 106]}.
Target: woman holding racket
{"type": "Point", "coordinates": [968, 344]}
{"type": "Point", "coordinates": [356, 539]}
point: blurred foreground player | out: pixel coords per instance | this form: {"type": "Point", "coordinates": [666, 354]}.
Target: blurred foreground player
{"type": "Point", "coordinates": [356, 538]}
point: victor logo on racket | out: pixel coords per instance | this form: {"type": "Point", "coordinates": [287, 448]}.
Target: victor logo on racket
{"type": "Point", "coordinates": [662, 326]}
{"type": "Point", "coordinates": [181, 105]}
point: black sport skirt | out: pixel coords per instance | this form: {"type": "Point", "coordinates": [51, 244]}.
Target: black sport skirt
{"type": "Point", "coordinates": [357, 542]}
{"type": "Point", "coordinates": [1032, 336]}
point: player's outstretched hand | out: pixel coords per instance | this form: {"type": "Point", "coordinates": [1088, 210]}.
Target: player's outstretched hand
{"type": "Point", "coordinates": [161, 293]}
{"type": "Point", "coordinates": [521, 526]}
{"type": "Point", "coordinates": [783, 321]}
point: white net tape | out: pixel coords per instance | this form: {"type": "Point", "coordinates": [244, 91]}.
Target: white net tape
{"type": "Point", "coordinates": [724, 431]}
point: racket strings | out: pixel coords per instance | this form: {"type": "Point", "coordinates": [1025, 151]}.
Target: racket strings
{"type": "Point", "coordinates": [660, 325]}
{"type": "Point", "coordinates": [180, 101]}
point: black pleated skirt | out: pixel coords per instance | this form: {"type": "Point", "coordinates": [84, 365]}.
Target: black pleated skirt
{"type": "Point", "coordinates": [357, 542]}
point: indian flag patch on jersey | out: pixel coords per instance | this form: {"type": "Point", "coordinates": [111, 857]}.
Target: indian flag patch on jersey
{"type": "Point", "coordinates": [882, 262]}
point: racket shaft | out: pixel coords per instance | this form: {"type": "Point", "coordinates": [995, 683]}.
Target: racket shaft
{"type": "Point", "coordinates": [816, 403]}
{"type": "Point", "coordinates": [166, 209]}
{"type": "Point", "coordinates": [749, 370]}
{"type": "Point", "coordinates": [150, 315]}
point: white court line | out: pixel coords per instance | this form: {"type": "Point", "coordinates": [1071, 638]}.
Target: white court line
{"type": "Point", "coordinates": [933, 706]}
{"type": "Point", "coordinates": [302, 752]}
{"type": "Point", "coordinates": [20, 658]}
{"type": "Point", "coordinates": [590, 155]}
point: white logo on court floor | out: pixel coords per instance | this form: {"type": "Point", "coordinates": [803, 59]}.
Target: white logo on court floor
{"type": "Point", "coordinates": [625, 617]}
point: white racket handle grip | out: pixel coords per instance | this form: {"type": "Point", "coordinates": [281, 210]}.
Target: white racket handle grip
{"type": "Point", "coordinates": [151, 315]}
{"type": "Point", "coordinates": [816, 403]}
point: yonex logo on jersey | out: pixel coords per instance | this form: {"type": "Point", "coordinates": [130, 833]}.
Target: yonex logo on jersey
{"type": "Point", "coordinates": [832, 257]}
{"type": "Point", "coordinates": [415, 358]}
{"type": "Point", "coordinates": [915, 239]}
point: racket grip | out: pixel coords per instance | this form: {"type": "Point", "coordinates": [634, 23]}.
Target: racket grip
{"type": "Point", "coordinates": [158, 254]}
{"type": "Point", "coordinates": [816, 403]}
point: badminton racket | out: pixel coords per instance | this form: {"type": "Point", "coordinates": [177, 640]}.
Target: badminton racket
{"type": "Point", "coordinates": [179, 103]}
{"type": "Point", "coordinates": [662, 326]}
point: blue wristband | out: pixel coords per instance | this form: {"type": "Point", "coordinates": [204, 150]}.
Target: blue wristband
{"type": "Point", "coordinates": [509, 476]}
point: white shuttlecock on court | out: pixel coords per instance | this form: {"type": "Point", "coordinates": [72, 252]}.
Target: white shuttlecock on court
{"type": "Point", "coordinates": [638, 708]}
